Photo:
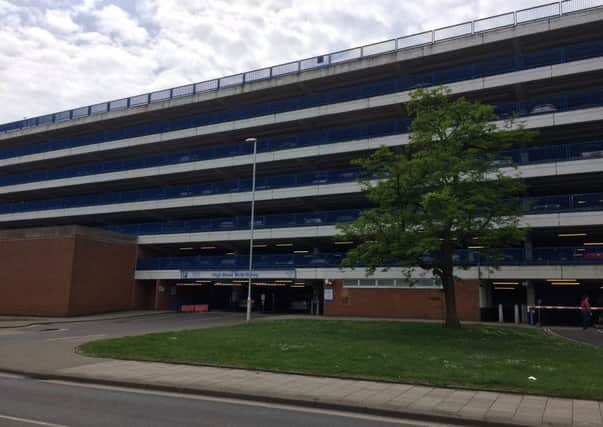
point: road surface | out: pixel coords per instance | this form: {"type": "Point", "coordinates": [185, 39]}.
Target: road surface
{"type": "Point", "coordinates": [26, 402]}
{"type": "Point", "coordinates": [47, 348]}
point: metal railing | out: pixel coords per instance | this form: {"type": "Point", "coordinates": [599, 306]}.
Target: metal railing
{"type": "Point", "coordinates": [234, 262]}
{"type": "Point", "coordinates": [547, 11]}
{"type": "Point", "coordinates": [563, 255]}
{"type": "Point", "coordinates": [551, 153]}
{"type": "Point", "coordinates": [298, 219]}
{"type": "Point", "coordinates": [531, 205]}
{"type": "Point", "coordinates": [520, 156]}
{"type": "Point", "coordinates": [541, 105]}
{"type": "Point", "coordinates": [558, 203]}
{"type": "Point", "coordinates": [572, 255]}
{"type": "Point", "coordinates": [179, 191]}
{"type": "Point", "coordinates": [563, 203]}
{"type": "Point", "coordinates": [406, 82]}
{"type": "Point", "coordinates": [269, 144]}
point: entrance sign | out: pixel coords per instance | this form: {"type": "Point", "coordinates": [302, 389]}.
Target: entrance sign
{"type": "Point", "coordinates": [328, 294]}
{"type": "Point", "coordinates": [237, 274]}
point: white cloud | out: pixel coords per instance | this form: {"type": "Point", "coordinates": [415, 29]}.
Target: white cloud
{"type": "Point", "coordinates": [114, 21]}
{"type": "Point", "coordinates": [57, 54]}
{"type": "Point", "coordinates": [60, 21]}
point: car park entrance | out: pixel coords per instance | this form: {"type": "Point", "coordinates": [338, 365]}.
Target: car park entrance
{"type": "Point", "coordinates": [552, 302]}
{"type": "Point", "coordinates": [268, 296]}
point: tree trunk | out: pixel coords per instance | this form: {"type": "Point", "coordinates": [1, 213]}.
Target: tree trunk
{"type": "Point", "coordinates": [452, 318]}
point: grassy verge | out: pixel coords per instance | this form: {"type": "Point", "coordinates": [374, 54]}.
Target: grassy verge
{"type": "Point", "coordinates": [487, 357]}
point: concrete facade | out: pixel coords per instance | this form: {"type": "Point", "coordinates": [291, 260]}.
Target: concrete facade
{"type": "Point", "coordinates": [176, 176]}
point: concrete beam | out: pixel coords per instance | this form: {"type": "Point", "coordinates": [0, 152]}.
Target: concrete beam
{"type": "Point", "coordinates": [521, 272]}
{"type": "Point", "coordinates": [564, 219]}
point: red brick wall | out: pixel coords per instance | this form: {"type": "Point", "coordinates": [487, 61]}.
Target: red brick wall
{"type": "Point", "coordinates": [467, 299]}
{"type": "Point", "coordinates": [64, 271]}
{"type": "Point", "coordinates": [144, 295]}
{"type": "Point", "coordinates": [163, 298]}
{"type": "Point", "coordinates": [103, 276]}
{"type": "Point", "coordinates": [35, 276]}
{"type": "Point", "coordinates": [403, 303]}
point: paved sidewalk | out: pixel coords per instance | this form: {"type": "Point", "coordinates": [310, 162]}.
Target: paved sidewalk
{"type": "Point", "coordinates": [477, 407]}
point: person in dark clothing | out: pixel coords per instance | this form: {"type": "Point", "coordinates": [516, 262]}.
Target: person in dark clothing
{"type": "Point", "coordinates": [585, 311]}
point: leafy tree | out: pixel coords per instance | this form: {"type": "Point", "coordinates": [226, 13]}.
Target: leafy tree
{"type": "Point", "coordinates": [440, 193]}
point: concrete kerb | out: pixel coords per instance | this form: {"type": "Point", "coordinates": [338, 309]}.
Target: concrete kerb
{"type": "Point", "coordinates": [100, 317]}
{"type": "Point", "coordinates": [314, 403]}
{"type": "Point", "coordinates": [77, 350]}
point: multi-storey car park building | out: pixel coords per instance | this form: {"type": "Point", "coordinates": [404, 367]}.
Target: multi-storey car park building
{"type": "Point", "coordinates": [144, 201]}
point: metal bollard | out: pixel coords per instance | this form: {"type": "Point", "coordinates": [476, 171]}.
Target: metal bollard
{"type": "Point", "coordinates": [500, 314]}
{"type": "Point", "coordinates": [516, 313]}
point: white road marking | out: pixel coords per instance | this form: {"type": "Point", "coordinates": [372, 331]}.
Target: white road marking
{"type": "Point", "coordinates": [253, 403]}
{"type": "Point", "coordinates": [52, 330]}
{"type": "Point", "coordinates": [75, 337]}
{"type": "Point", "coordinates": [9, 332]}
{"type": "Point", "coordinates": [28, 421]}
{"type": "Point", "coordinates": [11, 376]}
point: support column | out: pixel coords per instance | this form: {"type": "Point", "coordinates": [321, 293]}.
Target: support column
{"type": "Point", "coordinates": [530, 299]}
{"type": "Point", "coordinates": [485, 301]}
{"type": "Point", "coordinates": [530, 292]}
{"type": "Point", "coordinates": [485, 295]}
{"type": "Point", "coordinates": [156, 294]}
{"type": "Point", "coordinates": [528, 250]}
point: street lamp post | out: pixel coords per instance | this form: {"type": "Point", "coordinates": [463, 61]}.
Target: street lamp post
{"type": "Point", "coordinates": [252, 223]}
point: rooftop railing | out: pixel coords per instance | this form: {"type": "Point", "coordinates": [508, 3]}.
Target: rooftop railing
{"type": "Point", "coordinates": [550, 10]}
{"type": "Point", "coordinates": [492, 66]}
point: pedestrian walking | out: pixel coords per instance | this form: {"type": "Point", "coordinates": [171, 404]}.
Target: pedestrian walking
{"type": "Point", "coordinates": [585, 311]}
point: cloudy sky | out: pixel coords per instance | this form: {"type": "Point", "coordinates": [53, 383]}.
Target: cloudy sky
{"type": "Point", "coordinates": [60, 54]}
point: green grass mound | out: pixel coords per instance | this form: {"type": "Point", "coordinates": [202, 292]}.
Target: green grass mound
{"type": "Point", "coordinates": [487, 357]}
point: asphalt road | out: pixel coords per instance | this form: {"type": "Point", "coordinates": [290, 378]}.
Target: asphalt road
{"type": "Point", "coordinates": [121, 326]}
{"type": "Point", "coordinates": [590, 336]}
{"type": "Point", "coordinates": [27, 402]}
{"type": "Point", "coordinates": [46, 348]}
